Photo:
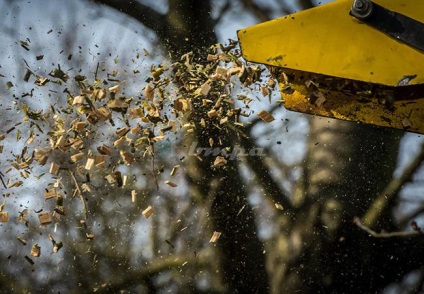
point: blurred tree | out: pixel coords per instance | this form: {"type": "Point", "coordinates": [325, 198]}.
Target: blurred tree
{"type": "Point", "coordinates": [317, 248]}
{"type": "Point", "coordinates": [347, 166]}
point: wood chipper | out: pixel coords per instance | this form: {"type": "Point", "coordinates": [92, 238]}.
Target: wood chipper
{"type": "Point", "coordinates": [354, 60]}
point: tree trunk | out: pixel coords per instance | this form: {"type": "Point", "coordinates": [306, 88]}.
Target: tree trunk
{"type": "Point", "coordinates": [242, 261]}
{"type": "Point", "coordinates": [320, 250]}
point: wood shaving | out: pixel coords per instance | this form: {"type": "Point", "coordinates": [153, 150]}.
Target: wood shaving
{"type": "Point", "coordinates": [51, 193]}
{"type": "Point", "coordinates": [266, 116]}
{"type": "Point", "coordinates": [89, 164]}
{"type": "Point", "coordinates": [215, 237]}
{"type": "Point", "coordinates": [174, 170]}
{"type": "Point", "coordinates": [320, 100]}
{"type": "Point", "coordinates": [76, 157]}
{"type": "Point", "coordinates": [279, 206]}
{"type": "Point", "coordinates": [171, 184]}
{"type": "Point", "coordinates": [127, 157]}
{"type": "Point", "coordinates": [219, 161]}
{"type": "Point", "coordinates": [44, 218]}
{"type": "Point", "coordinates": [148, 211]}
{"type": "Point", "coordinates": [54, 168]}
{"type": "Point", "coordinates": [35, 251]}
{"type": "Point", "coordinates": [149, 92]}
{"type": "Point", "coordinates": [4, 217]}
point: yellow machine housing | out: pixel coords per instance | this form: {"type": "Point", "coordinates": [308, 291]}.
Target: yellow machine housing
{"type": "Point", "coordinates": [337, 65]}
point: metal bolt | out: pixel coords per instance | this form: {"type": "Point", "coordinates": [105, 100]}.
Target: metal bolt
{"type": "Point", "coordinates": [361, 9]}
{"type": "Point", "coordinates": [358, 4]}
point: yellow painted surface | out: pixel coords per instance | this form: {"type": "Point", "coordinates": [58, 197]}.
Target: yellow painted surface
{"type": "Point", "coordinates": [403, 114]}
{"type": "Point", "coordinates": [327, 40]}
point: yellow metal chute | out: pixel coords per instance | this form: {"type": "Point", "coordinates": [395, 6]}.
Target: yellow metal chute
{"type": "Point", "coordinates": [353, 63]}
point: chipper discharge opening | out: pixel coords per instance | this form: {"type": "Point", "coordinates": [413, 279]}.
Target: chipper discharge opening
{"type": "Point", "coordinates": [355, 60]}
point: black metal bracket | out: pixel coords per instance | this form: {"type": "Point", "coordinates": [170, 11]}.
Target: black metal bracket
{"type": "Point", "coordinates": [396, 25]}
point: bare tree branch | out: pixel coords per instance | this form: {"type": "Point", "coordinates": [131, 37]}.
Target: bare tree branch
{"type": "Point", "coordinates": [377, 207]}
{"type": "Point", "coordinates": [223, 10]}
{"type": "Point", "coordinates": [140, 12]}
{"type": "Point", "coordinates": [157, 266]}
{"type": "Point", "coordinates": [271, 187]}
{"type": "Point", "coordinates": [257, 120]}
{"type": "Point", "coordinates": [261, 13]}
{"type": "Point", "coordinates": [410, 217]}
{"type": "Point", "coordinates": [306, 4]}
{"type": "Point", "coordinates": [84, 205]}
{"type": "Point", "coordinates": [357, 221]}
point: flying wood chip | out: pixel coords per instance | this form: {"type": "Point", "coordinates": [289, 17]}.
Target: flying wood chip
{"type": "Point", "coordinates": [20, 239]}
{"type": "Point", "coordinates": [174, 170]}
{"type": "Point", "coordinates": [41, 81]}
{"type": "Point", "coordinates": [76, 157]}
{"type": "Point", "coordinates": [76, 143]}
{"type": "Point", "coordinates": [54, 168]}
{"type": "Point", "coordinates": [215, 237]}
{"type": "Point", "coordinates": [110, 179]}
{"type": "Point", "coordinates": [205, 88]}
{"type": "Point", "coordinates": [170, 183]}
{"type": "Point", "coordinates": [148, 211]}
{"type": "Point", "coordinates": [320, 100]}
{"type": "Point", "coordinates": [136, 112]}
{"type": "Point", "coordinates": [99, 160]}
{"type": "Point", "coordinates": [264, 91]}
{"type": "Point", "coordinates": [56, 245]}
{"type": "Point", "coordinates": [50, 193]}
{"type": "Point", "coordinates": [40, 155]}
{"type": "Point", "coordinates": [99, 94]}
{"type": "Point", "coordinates": [35, 251]}
{"type": "Point", "coordinates": [279, 206]}
{"type": "Point", "coordinates": [79, 126]}
{"type": "Point", "coordinates": [266, 116]}
{"type": "Point", "coordinates": [219, 161]}
{"type": "Point", "coordinates": [114, 89]}
{"type": "Point", "coordinates": [271, 83]}
{"type": "Point", "coordinates": [212, 113]}
{"type": "Point", "coordinates": [134, 130]}
{"type": "Point", "coordinates": [212, 57]}
{"type": "Point", "coordinates": [122, 132]}
{"type": "Point", "coordinates": [158, 138]}
{"type": "Point", "coordinates": [4, 217]}
{"type": "Point", "coordinates": [56, 216]}
{"type": "Point", "coordinates": [45, 218]}
{"type": "Point", "coordinates": [78, 100]}
{"type": "Point", "coordinates": [15, 184]}
{"type": "Point", "coordinates": [223, 120]}
{"type": "Point", "coordinates": [104, 149]}
{"type": "Point", "coordinates": [89, 164]}
{"type": "Point", "coordinates": [30, 139]}
{"type": "Point", "coordinates": [89, 236]}
{"type": "Point", "coordinates": [60, 143]}
{"type": "Point", "coordinates": [116, 104]}
{"type": "Point", "coordinates": [149, 92]}
{"type": "Point", "coordinates": [234, 70]}
{"type": "Point", "coordinates": [127, 157]}
{"type": "Point", "coordinates": [119, 141]}
{"type": "Point", "coordinates": [221, 73]}
{"type": "Point", "coordinates": [103, 113]}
